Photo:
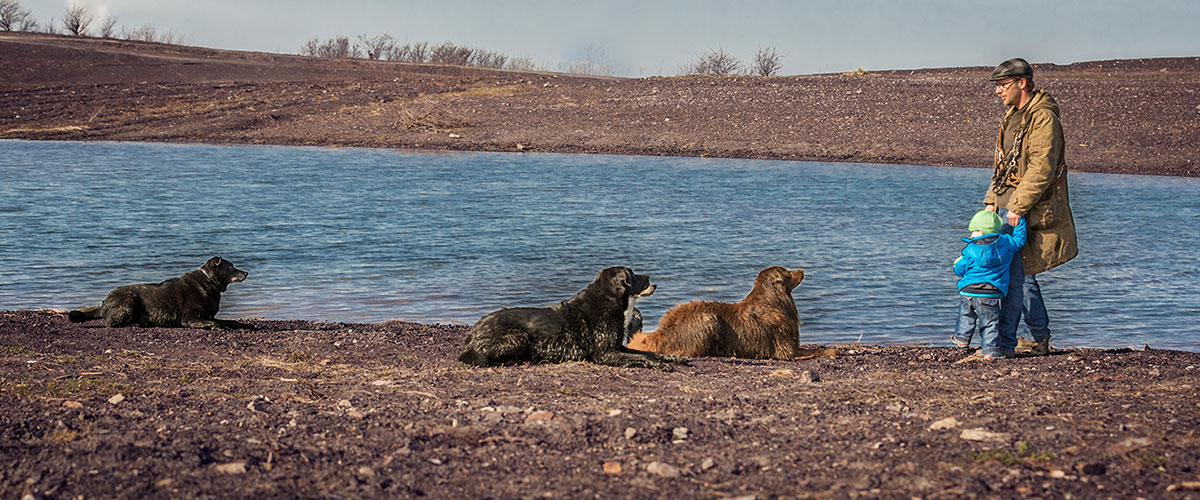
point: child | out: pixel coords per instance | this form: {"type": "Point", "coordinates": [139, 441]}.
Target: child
{"type": "Point", "coordinates": [983, 267]}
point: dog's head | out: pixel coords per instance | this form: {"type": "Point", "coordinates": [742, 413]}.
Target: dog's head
{"type": "Point", "coordinates": [778, 279]}
{"type": "Point", "coordinates": [622, 282]}
{"type": "Point", "coordinates": [223, 271]}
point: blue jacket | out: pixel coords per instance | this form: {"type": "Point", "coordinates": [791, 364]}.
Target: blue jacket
{"type": "Point", "coordinates": [986, 258]}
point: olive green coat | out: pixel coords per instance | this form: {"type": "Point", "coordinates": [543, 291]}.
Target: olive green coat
{"type": "Point", "coordinates": [1037, 188]}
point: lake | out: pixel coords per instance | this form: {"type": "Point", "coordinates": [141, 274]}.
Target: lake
{"type": "Point", "coordinates": [370, 235]}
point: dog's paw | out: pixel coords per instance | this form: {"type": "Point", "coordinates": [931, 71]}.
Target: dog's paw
{"type": "Point", "coordinates": [675, 358]}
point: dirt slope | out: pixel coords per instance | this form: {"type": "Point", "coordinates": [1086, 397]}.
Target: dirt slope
{"type": "Point", "coordinates": [1135, 116]}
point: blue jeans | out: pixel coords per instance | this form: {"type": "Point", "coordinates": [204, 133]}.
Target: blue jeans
{"type": "Point", "coordinates": [980, 315]}
{"type": "Point", "coordinates": [1024, 299]}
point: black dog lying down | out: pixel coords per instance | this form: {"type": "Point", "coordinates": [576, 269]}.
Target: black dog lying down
{"type": "Point", "coordinates": [191, 300]}
{"type": "Point", "coordinates": [590, 326]}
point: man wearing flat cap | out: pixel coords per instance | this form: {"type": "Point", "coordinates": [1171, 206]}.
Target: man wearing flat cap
{"type": "Point", "coordinates": [1030, 181]}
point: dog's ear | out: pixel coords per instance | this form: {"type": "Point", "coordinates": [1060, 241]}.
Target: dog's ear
{"type": "Point", "coordinates": [618, 278]}
{"type": "Point", "coordinates": [213, 263]}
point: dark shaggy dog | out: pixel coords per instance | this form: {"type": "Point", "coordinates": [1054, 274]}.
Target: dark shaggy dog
{"type": "Point", "coordinates": [763, 325]}
{"type": "Point", "coordinates": [587, 327]}
{"type": "Point", "coordinates": [191, 300]}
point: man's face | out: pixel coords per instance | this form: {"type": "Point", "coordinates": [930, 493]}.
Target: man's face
{"type": "Point", "coordinates": [1009, 91]}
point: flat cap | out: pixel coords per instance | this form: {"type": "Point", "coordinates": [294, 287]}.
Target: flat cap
{"type": "Point", "coordinates": [1012, 68]}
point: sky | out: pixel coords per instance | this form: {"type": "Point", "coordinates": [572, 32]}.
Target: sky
{"type": "Point", "coordinates": [659, 37]}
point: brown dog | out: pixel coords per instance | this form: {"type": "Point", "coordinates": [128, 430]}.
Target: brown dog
{"type": "Point", "coordinates": [763, 325]}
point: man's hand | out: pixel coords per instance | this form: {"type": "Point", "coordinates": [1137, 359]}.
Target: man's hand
{"type": "Point", "coordinates": [991, 207]}
{"type": "Point", "coordinates": [1013, 218]}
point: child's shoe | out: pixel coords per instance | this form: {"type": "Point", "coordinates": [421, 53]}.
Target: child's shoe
{"type": "Point", "coordinates": [954, 340]}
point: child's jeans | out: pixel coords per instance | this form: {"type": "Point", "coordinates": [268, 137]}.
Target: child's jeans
{"type": "Point", "coordinates": [979, 315]}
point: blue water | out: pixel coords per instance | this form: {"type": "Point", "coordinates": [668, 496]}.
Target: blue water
{"type": "Point", "coordinates": [368, 235]}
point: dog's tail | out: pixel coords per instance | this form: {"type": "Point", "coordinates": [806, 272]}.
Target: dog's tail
{"type": "Point", "coordinates": [85, 314]}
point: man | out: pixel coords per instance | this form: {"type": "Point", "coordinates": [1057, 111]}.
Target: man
{"type": "Point", "coordinates": [1030, 180]}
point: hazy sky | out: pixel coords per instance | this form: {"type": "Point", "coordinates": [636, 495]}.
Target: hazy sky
{"type": "Point", "coordinates": [649, 37]}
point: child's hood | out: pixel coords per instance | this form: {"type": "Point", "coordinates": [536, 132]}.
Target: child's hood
{"type": "Point", "coordinates": [984, 250]}
{"type": "Point", "coordinates": [983, 239]}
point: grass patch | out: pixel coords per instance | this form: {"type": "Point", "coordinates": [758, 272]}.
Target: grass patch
{"type": "Point", "coordinates": [16, 350]}
{"type": "Point", "coordinates": [62, 436]}
{"type": "Point", "coordinates": [61, 389]}
{"type": "Point", "coordinates": [1023, 454]}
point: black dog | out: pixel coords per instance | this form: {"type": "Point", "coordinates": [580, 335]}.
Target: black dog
{"type": "Point", "coordinates": [191, 300]}
{"type": "Point", "coordinates": [590, 326]}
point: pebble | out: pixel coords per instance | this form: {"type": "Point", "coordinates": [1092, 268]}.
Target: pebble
{"type": "Point", "coordinates": [72, 404]}
{"type": "Point", "coordinates": [809, 376]}
{"type": "Point", "coordinates": [662, 470]}
{"type": "Point", "coordinates": [630, 432]}
{"type": "Point", "coordinates": [116, 399]}
{"type": "Point", "coordinates": [541, 417]}
{"type": "Point", "coordinates": [613, 413]}
{"type": "Point", "coordinates": [945, 423]}
{"type": "Point", "coordinates": [232, 468]}
{"type": "Point", "coordinates": [679, 433]}
{"type": "Point", "coordinates": [345, 403]}
{"type": "Point", "coordinates": [612, 468]}
{"type": "Point", "coordinates": [979, 434]}
{"type": "Point", "coordinates": [365, 471]}
{"type": "Point", "coordinates": [708, 463]}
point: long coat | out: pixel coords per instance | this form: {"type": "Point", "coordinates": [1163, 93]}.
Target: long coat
{"type": "Point", "coordinates": [1037, 187]}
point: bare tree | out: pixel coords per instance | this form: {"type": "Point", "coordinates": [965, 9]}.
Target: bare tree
{"type": "Point", "coordinates": [13, 17]}
{"type": "Point", "coordinates": [377, 47]}
{"type": "Point", "coordinates": [522, 64]}
{"type": "Point", "coordinates": [449, 53]}
{"type": "Point", "coordinates": [77, 20]}
{"type": "Point", "coordinates": [767, 61]}
{"type": "Point", "coordinates": [339, 47]}
{"type": "Point", "coordinates": [488, 59]}
{"type": "Point", "coordinates": [107, 27]}
{"type": "Point", "coordinates": [715, 62]}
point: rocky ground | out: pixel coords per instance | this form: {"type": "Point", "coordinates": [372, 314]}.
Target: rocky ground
{"type": "Point", "coordinates": [1128, 116]}
{"type": "Point", "coordinates": [299, 409]}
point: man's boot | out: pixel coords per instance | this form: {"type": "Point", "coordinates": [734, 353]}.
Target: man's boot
{"type": "Point", "coordinates": [1031, 348]}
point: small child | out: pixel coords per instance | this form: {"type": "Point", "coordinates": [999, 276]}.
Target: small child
{"type": "Point", "coordinates": [983, 267]}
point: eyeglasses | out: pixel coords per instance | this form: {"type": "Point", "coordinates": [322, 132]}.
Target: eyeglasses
{"type": "Point", "coordinates": [1003, 87]}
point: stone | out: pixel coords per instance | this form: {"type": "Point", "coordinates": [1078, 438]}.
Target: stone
{"type": "Point", "coordinates": [662, 470]}
{"type": "Point", "coordinates": [116, 399]}
{"type": "Point", "coordinates": [613, 468]}
{"type": "Point", "coordinates": [809, 376]}
{"type": "Point", "coordinates": [259, 403]}
{"type": "Point", "coordinates": [541, 417]}
{"type": "Point", "coordinates": [630, 432]}
{"type": "Point", "coordinates": [1094, 469]}
{"type": "Point", "coordinates": [365, 471]}
{"type": "Point", "coordinates": [679, 433]}
{"type": "Point", "coordinates": [979, 434]}
{"type": "Point", "coordinates": [945, 423]}
{"type": "Point", "coordinates": [345, 403]}
{"type": "Point", "coordinates": [232, 468]}
{"type": "Point", "coordinates": [72, 404]}
{"type": "Point", "coordinates": [1129, 445]}
{"type": "Point", "coordinates": [708, 463]}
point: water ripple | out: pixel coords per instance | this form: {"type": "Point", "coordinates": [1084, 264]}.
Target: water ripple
{"type": "Point", "coordinates": [376, 235]}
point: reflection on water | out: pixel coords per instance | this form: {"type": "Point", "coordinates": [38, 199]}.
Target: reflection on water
{"type": "Point", "coordinates": [376, 235]}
